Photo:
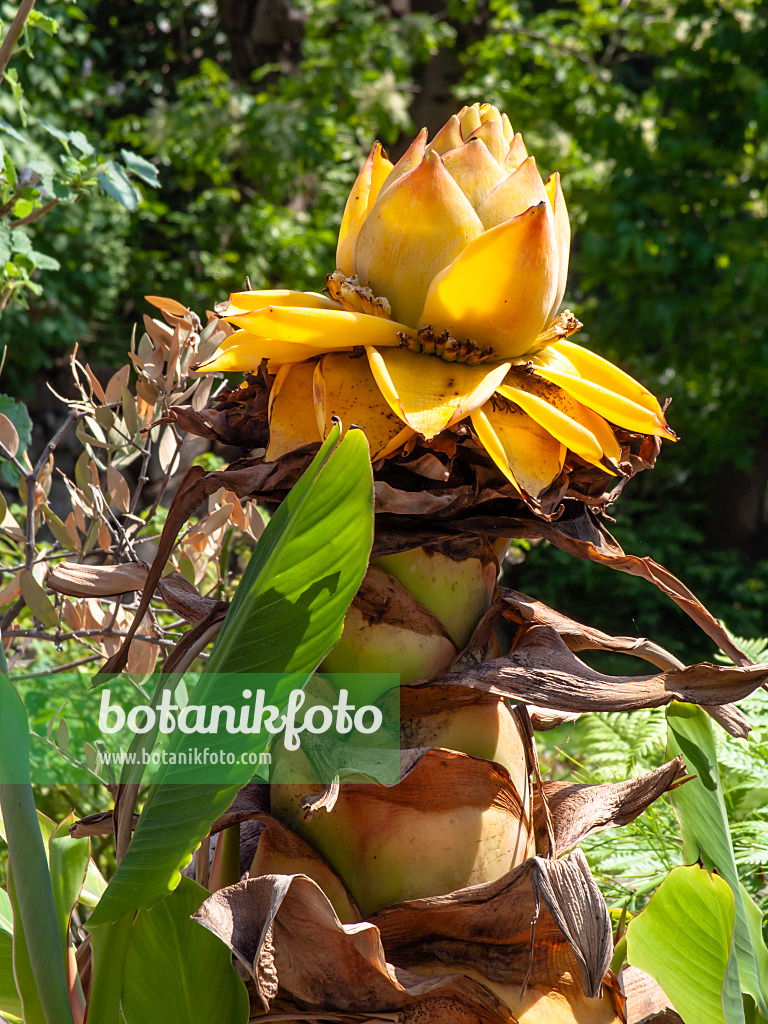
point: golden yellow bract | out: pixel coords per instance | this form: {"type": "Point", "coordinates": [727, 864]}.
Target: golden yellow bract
{"type": "Point", "coordinates": [452, 266]}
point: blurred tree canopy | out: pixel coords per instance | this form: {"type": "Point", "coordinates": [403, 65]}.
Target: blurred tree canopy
{"type": "Point", "coordinates": [258, 113]}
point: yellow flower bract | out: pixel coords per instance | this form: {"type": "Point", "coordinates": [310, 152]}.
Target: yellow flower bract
{"type": "Point", "coordinates": [463, 237]}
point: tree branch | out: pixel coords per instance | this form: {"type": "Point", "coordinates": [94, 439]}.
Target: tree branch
{"type": "Point", "coordinates": [79, 634]}
{"type": "Point", "coordinates": [35, 215]}
{"type": "Point", "coordinates": [12, 36]}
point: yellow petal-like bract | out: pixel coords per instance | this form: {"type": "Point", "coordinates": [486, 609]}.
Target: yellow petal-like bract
{"type": "Point", "coordinates": [452, 265]}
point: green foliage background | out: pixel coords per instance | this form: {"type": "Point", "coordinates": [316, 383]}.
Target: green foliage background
{"type": "Point", "coordinates": [651, 112]}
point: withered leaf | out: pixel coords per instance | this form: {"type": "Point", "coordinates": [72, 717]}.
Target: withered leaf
{"type": "Point", "coordinates": [167, 305]}
{"type": "Point", "coordinates": [646, 1001]}
{"type": "Point", "coordinates": [9, 437]}
{"type": "Point", "coordinates": [578, 810]}
{"type": "Point", "coordinates": [281, 852]}
{"type": "Point", "coordinates": [523, 609]}
{"type": "Point", "coordinates": [543, 925]}
{"type": "Point", "coordinates": [284, 932]}
{"type": "Point", "coordinates": [541, 670]}
{"type": "Point", "coordinates": [114, 389]}
{"type": "Point", "coordinates": [118, 489]}
{"type": "Point", "coordinates": [169, 452]}
{"type": "Point", "coordinates": [80, 580]}
{"type": "Point", "coordinates": [99, 824]}
{"type": "Point", "coordinates": [97, 388]}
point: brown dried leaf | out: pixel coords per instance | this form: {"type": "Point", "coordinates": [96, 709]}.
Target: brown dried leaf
{"type": "Point", "coordinates": [238, 513]}
{"type": "Point", "coordinates": [149, 395]}
{"type": "Point", "coordinates": [73, 613]}
{"type": "Point", "coordinates": [578, 637]}
{"type": "Point", "coordinates": [256, 524]}
{"type": "Point", "coordinates": [118, 490]}
{"type": "Point", "coordinates": [543, 719]}
{"type": "Point", "coordinates": [99, 824]}
{"type": "Point", "coordinates": [524, 610]}
{"type": "Point", "coordinates": [543, 672]}
{"type": "Point", "coordinates": [93, 613]}
{"type": "Point", "coordinates": [38, 602]}
{"type": "Point", "coordinates": [145, 408]}
{"type": "Point", "coordinates": [153, 367]}
{"type": "Point", "coordinates": [142, 657]}
{"type": "Point", "coordinates": [159, 334]}
{"type": "Point", "coordinates": [284, 932]}
{"type": "Point", "coordinates": [202, 393]}
{"type": "Point", "coordinates": [11, 590]}
{"type": "Point", "coordinates": [646, 1000]}
{"type": "Point", "coordinates": [71, 525]}
{"type": "Point", "coordinates": [194, 488]}
{"type": "Point", "coordinates": [9, 524]}
{"type": "Point", "coordinates": [210, 344]}
{"type": "Point", "coordinates": [185, 322]}
{"type": "Point", "coordinates": [173, 361]}
{"type": "Point", "coordinates": [47, 475]}
{"type": "Point", "coordinates": [397, 502]}
{"type": "Point", "coordinates": [105, 538]}
{"type": "Point", "coordinates": [79, 580]}
{"type": "Point", "coordinates": [577, 906]}
{"type": "Point", "coordinates": [185, 599]}
{"type": "Point", "coordinates": [209, 524]}
{"type": "Point", "coordinates": [282, 852]}
{"type": "Point", "coordinates": [167, 305]}
{"type": "Point", "coordinates": [197, 558]}
{"type": "Point", "coordinates": [168, 451]}
{"type": "Point", "coordinates": [587, 538]}
{"type": "Point", "coordinates": [9, 437]}
{"type": "Point", "coordinates": [138, 363]}
{"type": "Point", "coordinates": [117, 382]}
{"type": "Point", "coordinates": [542, 926]}
{"type": "Point", "coordinates": [97, 388]}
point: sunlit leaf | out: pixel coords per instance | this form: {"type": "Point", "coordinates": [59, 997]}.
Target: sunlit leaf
{"type": "Point", "coordinates": [287, 614]}
{"type": "Point", "coordinates": [28, 861]}
{"type": "Point", "coordinates": [701, 812]}
{"type": "Point", "coordinates": [176, 970]}
{"type": "Point", "coordinates": [683, 939]}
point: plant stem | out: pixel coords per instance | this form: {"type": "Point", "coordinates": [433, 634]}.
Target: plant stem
{"type": "Point", "coordinates": [36, 214]}
{"type": "Point", "coordinates": [12, 36]}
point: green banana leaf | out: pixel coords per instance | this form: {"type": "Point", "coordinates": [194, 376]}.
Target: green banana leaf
{"type": "Point", "coordinates": [684, 940]}
{"type": "Point", "coordinates": [178, 972]}
{"type": "Point", "coordinates": [38, 940]}
{"type": "Point", "coordinates": [287, 614]}
{"type": "Point", "coordinates": [95, 883]}
{"type": "Point", "coordinates": [9, 996]}
{"type": "Point", "coordinates": [703, 820]}
{"type": "Point", "coordinates": [68, 859]}
{"type": "Point", "coordinates": [755, 924]}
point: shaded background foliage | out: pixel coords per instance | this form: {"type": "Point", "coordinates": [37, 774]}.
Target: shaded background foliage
{"type": "Point", "coordinates": [257, 114]}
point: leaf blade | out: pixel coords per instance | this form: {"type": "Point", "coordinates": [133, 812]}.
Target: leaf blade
{"type": "Point", "coordinates": [684, 940]}
{"type": "Point", "coordinates": [703, 820]}
{"type": "Point", "coordinates": [281, 622]}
